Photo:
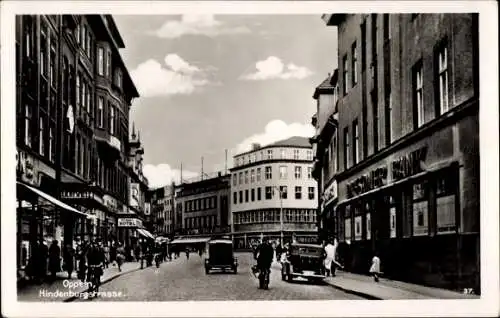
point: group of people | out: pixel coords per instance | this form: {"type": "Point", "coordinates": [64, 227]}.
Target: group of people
{"type": "Point", "coordinates": [46, 260]}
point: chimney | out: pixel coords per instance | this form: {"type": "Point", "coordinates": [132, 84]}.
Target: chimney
{"type": "Point", "coordinates": [255, 146]}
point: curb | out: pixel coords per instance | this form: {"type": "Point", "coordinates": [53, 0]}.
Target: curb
{"type": "Point", "coordinates": [107, 280]}
{"type": "Point", "coordinates": [355, 292]}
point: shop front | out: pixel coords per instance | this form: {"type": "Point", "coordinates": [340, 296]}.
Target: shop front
{"type": "Point", "coordinates": [414, 210]}
{"type": "Point", "coordinates": [328, 212]}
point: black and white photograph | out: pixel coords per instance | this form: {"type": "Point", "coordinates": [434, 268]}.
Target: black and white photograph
{"type": "Point", "coordinates": [183, 158]}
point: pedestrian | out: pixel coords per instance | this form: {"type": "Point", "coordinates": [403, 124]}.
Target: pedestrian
{"type": "Point", "coordinates": [42, 260]}
{"type": "Point", "coordinates": [106, 255]}
{"type": "Point", "coordinates": [137, 252]}
{"type": "Point", "coordinates": [375, 267]}
{"type": "Point", "coordinates": [54, 259]}
{"type": "Point", "coordinates": [112, 253]}
{"type": "Point", "coordinates": [69, 254]}
{"type": "Point", "coordinates": [330, 257]}
{"type": "Point", "coordinates": [187, 253]}
{"type": "Point", "coordinates": [82, 260]}
{"type": "Point", "coordinates": [120, 256]}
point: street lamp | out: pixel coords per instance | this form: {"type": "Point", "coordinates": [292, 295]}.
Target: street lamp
{"type": "Point", "coordinates": [281, 212]}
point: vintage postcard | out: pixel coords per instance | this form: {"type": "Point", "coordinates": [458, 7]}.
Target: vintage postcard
{"type": "Point", "coordinates": [249, 158]}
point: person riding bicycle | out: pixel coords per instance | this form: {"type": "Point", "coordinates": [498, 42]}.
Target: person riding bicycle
{"type": "Point", "coordinates": [264, 254]}
{"type": "Point", "coordinates": [95, 261]}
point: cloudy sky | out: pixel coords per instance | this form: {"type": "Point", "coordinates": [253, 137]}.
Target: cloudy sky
{"type": "Point", "coordinates": [210, 83]}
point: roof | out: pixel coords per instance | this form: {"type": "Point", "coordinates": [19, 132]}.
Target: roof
{"type": "Point", "coordinates": [325, 87]}
{"type": "Point", "coordinates": [295, 141]}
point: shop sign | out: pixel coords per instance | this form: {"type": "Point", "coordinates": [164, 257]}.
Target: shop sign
{"type": "Point", "coordinates": [26, 167]}
{"type": "Point", "coordinates": [110, 203]}
{"type": "Point", "coordinates": [134, 194]}
{"type": "Point", "coordinates": [81, 195]}
{"type": "Point", "coordinates": [367, 182]}
{"type": "Point", "coordinates": [330, 193]}
{"type": "Point", "coordinates": [129, 222]}
{"type": "Point", "coordinates": [147, 209]}
{"type": "Point", "coordinates": [408, 165]}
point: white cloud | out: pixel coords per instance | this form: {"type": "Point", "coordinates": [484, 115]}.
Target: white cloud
{"type": "Point", "coordinates": [175, 77]}
{"type": "Point", "coordinates": [162, 175]}
{"type": "Point", "coordinates": [274, 68]}
{"type": "Point", "coordinates": [275, 130]}
{"type": "Point", "coordinates": [204, 24]}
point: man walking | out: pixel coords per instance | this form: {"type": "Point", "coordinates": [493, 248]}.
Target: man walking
{"type": "Point", "coordinates": [54, 260]}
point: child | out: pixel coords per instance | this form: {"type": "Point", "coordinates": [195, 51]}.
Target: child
{"type": "Point", "coordinates": [375, 268]}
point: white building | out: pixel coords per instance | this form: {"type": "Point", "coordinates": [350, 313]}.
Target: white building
{"type": "Point", "coordinates": [257, 179]}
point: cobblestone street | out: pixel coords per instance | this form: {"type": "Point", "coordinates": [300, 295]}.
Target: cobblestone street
{"type": "Point", "coordinates": [184, 279]}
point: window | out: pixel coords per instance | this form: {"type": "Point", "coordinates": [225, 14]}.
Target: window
{"type": "Point", "coordinates": [89, 45]}
{"type": "Point", "coordinates": [108, 64]}
{"type": "Point", "coordinates": [420, 209]}
{"type": "Point", "coordinates": [259, 194]}
{"type": "Point", "coordinates": [27, 125]}
{"type": "Point", "coordinates": [78, 79]}
{"type": "Point", "coordinates": [77, 33]}
{"type": "Point", "coordinates": [363, 46]}
{"type": "Point", "coordinates": [84, 37]}
{"type": "Point", "coordinates": [298, 192]}
{"type": "Point", "coordinates": [269, 193]}
{"type": "Point", "coordinates": [309, 173]}
{"type": "Point", "coordinates": [296, 154]}
{"type": "Point", "coordinates": [358, 221]}
{"type": "Point", "coordinates": [43, 50]}
{"type": "Point", "coordinates": [298, 172]}
{"type": "Point", "coordinates": [345, 75]}
{"type": "Point", "coordinates": [100, 61]}
{"type": "Point", "coordinates": [418, 95]}
{"type": "Point", "coordinates": [283, 172]}
{"type": "Point", "coordinates": [112, 120]}
{"type": "Point", "coordinates": [246, 195]}
{"type": "Point", "coordinates": [368, 226]}
{"type": "Point", "coordinates": [241, 177]}
{"type": "Point", "coordinates": [388, 119]}
{"type": "Point", "coordinates": [283, 153]}
{"type": "Point", "coordinates": [41, 141]}
{"type": "Point", "coordinates": [269, 173]}
{"type": "Point", "coordinates": [283, 192]}
{"type": "Point", "coordinates": [374, 98]}
{"type": "Point", "coordinates": [235, 179]}
{"type": "Point", "coordinates": [309, 155]}
{"type": "Point", "coordinates": [258, 174]}
{"type": "Point", "coordinates": [252, 194]}
{"type": "Point", "coordinates": [445, 202]}
{"type": "Point", "coordinates": [354, 64]}
{"type": "Point", "coordinates": [246, 177]}
{"type": "Point", "coordinates": [119, 78]}
{"type": "Point", "coordinates": [52, 65]}
{"type": "Point", "coordinates": [392, 215]}
{"type": "Point", "coordinates": [346, 147]}
{"type": "Point", "coordinates": [252, 176]}
{"type": "Point", "coordinates": [311, 193]}
{"type": "Point", "coordinates": [51, 144]}
{"type": "Point", "coordinates": [355, 146]}
{"type": "Point", "coordinates": [347, 224]}
{"type": "Point", "coordinates": [241, 196]}
{"type": "Point", "coordinates": [442, 57]}
{"type": "Point", "coordinates": [269, 154]}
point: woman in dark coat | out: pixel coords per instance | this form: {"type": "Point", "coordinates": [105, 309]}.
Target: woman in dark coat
{"type": "Point", "coordinates": [69, 261]}
{"type": "Point", "coordinates": [54, 259]}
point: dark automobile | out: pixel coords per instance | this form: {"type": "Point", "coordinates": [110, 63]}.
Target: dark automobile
{"type": "Point", "coordinates": [221, 256]}
{"type": "Point", "coordinates": [303, 260]}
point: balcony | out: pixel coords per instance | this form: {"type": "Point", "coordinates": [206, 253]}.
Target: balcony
{"type": "Point", "coordinates": [108, 142]}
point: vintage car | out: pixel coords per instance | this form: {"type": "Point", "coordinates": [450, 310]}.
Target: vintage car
{"type": "Point", "coordinates": [303, 260]}
{"type": "Point", "coordinates": [221, 256]}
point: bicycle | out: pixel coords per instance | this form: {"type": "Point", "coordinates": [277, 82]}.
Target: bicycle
{"type": "Point", "coordinates": [95, 278]}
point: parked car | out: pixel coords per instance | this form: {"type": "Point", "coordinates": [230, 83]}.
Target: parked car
{"type": "Point", "coordinates": [303, 260]}
{"type": "Point", "coordinates": [221, 256]}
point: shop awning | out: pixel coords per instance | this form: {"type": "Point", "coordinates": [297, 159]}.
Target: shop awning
{"type": "Point", "coordinates": [53, 200]}
{"type": "Point", "coordinates": [145, 233]}
{"type": "Point", "coordinates": [191, 240]}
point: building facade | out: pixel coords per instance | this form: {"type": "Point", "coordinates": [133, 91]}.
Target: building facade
{"type": "Point", "coordinates": [73, 95]}
{"type": "Point", "coordinates": [163, 210]}
{"type": "Point", "coordinates": [408, 177]}
{"type": "Point", "coordinates": [202, 206]}
{"type": "Point", "coordinates": [267, 181]}
{"type": "Point", "coordinates": [325, 144]}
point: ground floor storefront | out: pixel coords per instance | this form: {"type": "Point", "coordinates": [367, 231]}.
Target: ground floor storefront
{"type": "Point", "coordinates": [252, 239]}
{"type": "Point", "coordinates": [417, 208]}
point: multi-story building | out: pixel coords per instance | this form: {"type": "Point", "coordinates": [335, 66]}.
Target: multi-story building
{"type": "Point", "coordinates": [270, 181]}
{"type": "Point", "coordinates": [162, 210]}
{"type": "Point", "coordinates": [203, 206]}
{"type": "Point", "coordinates": [408, 177]}
{"type": "Point", "coordinates": [325, 143]}
{"type": "Point", "coordinates": [72, 108]}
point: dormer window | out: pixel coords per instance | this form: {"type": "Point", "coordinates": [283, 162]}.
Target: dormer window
{"type": "Point", "coordinates": [118, 78]}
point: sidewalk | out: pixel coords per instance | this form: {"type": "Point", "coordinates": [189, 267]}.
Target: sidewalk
{"type": "Point", "coordinates": [35, 293]}
{"type": "Point", "coordinates": [387, 289]}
